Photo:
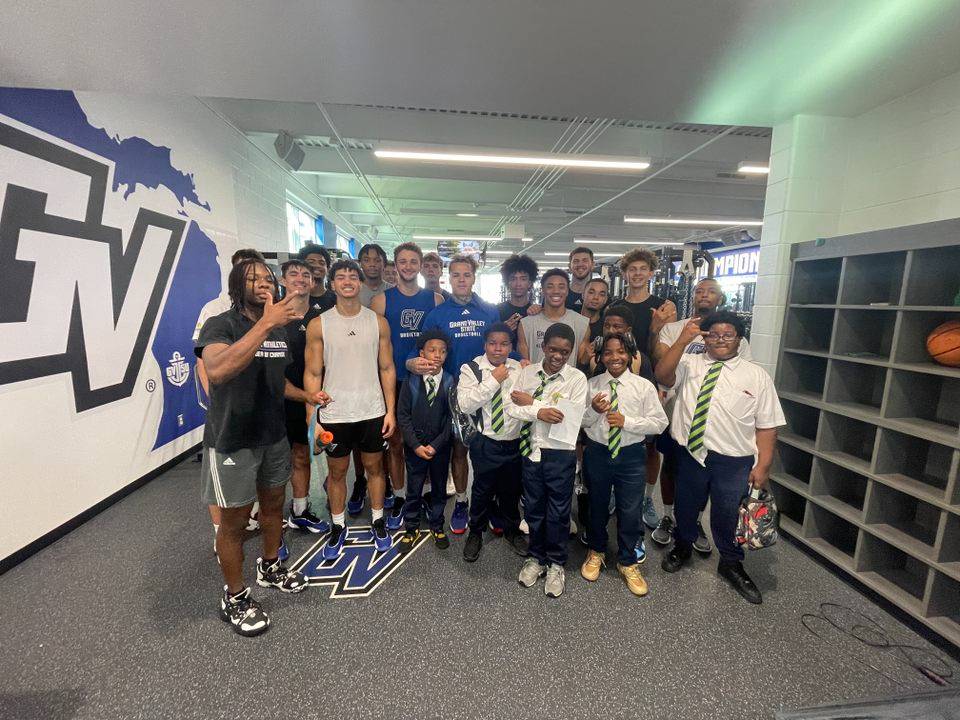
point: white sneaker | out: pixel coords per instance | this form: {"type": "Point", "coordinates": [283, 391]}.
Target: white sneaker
{"type": "Point", "coordinates": [252, 522]}
{"type": "Point", "coordinates": [553, 587]}
{"type": "Point", "coordinates": [531, 572]}
{"type": "Point", "coordinates": [524, 528]}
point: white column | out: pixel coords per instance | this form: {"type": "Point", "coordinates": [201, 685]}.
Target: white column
{"type": "Point", "coordinates": [804, 199]}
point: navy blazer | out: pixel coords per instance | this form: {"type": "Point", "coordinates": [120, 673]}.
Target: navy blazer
{"type": "Point", "coordinates": [423, 423]}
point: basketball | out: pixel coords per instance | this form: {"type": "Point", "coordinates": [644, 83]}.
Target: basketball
{"type": "Point", "coordinates": [943, 343]}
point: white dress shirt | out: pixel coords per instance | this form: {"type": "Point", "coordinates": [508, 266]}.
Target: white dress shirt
{"type": "Point", "coordinates": [637, 401]}
{"type": "Point", "coordinates": [743, 401]}
{"type": "Point", "coordinates": [570, 385]}
{"type": "Point", "coordinates": [473, 396]}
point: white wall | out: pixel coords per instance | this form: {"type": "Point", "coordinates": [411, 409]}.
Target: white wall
{"type": "Point", "coordinates": [60, 458]}
{"type": "Point", "coordinates": [896, 165]}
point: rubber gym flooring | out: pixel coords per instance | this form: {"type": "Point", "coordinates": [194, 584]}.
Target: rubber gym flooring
{"type": "Point", "coordinates": [119, 620]}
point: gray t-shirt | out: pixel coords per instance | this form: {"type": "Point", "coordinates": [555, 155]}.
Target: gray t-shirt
{"type": "Point", "coordinates": [534, 327]}
{"type": "Point", "coordinates": [366, 294]}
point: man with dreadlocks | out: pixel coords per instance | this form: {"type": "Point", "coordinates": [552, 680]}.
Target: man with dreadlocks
{"type": "Point", "coordinates": [246, 456]}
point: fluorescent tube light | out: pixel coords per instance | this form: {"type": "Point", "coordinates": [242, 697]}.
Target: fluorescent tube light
{"type": "Point", "coordinates": [468, 214]}
{"type": "Point", "coordinates": [719, 222]}
{"type": "Point", "coordinates": [544, 160]}
{"type": "Point", "coordinates": [598, 241]}
{"type": "Point", "coordinates": [753, 168]}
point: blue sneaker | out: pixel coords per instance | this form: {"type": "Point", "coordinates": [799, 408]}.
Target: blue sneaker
{"type": "Point", "coordinates": [284, 552]}
{"type": "Point", "coordinates": [641, 551]}
{"type": "Point", "coordinates": [650, 517]}
{"type": "Point", "coordinates": [357, 498]}
{"type": "Point", "coordinates": [381, 538]}
{"type": "Point", "coordinates": [388, 499]}
{"type": "Point", "coordinates": [496, 525]}
{"type": "Point", "coordinates": [307, 521]}
{"type": "Point", "coordinates": [396, 515]}
{"type": "Point", "coordinates": [458, 521]}
{"type": "Point", "coordinates": [331, 551]}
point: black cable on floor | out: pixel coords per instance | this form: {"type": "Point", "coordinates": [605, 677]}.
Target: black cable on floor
{"type": "Point", "coordinates": [868, 632]}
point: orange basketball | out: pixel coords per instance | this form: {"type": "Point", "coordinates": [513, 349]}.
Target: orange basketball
{"type": "Point", "coordinates": [943, 343]}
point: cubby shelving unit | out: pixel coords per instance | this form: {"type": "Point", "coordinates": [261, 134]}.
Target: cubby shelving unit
{"type": "Point", "coordinates": [867, 469]}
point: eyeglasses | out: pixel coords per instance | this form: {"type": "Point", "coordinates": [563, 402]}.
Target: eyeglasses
{"type": "Point", "coordinates": [726, 337]}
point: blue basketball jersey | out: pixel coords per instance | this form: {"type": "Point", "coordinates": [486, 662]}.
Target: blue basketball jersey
{"type": "Point", "coordinates": [405, 315]}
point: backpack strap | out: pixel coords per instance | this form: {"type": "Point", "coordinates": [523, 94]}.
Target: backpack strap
{"type": "Point", "coordinates": [478, 415]}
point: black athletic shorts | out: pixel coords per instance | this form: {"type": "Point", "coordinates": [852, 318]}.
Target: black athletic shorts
{"type": "Point", "coordinates": [296, 422]}
{"type": "Point", "coordinates": [364, 435]}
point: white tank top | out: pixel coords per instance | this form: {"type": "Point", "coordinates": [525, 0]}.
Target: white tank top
{"type": "Point", "coordinates": [351, 372]}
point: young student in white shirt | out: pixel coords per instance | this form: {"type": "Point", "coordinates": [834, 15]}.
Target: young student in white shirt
{"type": "Point", "coordinates": [708, 297]}
{"type": "Point", "coordinates": [623, 408]}
{"type": "Point", "coordinates": [549, 464]}
{"type": "Point", "coordinates": [495, 452]}
{"type": "Point", "coordinates": [725, 421]}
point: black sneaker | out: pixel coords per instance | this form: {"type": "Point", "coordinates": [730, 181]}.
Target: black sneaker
{"type": "Point", "coordinates": [275, 575]}
{"type": "Point", "coordinates": [675, 559]}
{"type": "Point", "coordinates": [243, 613]}
{"type": "Point", "coordinates": [471, 548]}
{"type": "Point", "coordinates": [407, 542]}
{"type": "Point", "coordinates": [518, 542]}
{"type": "Point", "coordinates": [734, 574]}
{"type": "Point", "coordinates": [663, 534]}
{"type": "Point", "coordinates": [440, 539]}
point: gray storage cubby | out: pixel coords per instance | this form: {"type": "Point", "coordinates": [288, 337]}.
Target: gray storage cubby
{"type": "Point", "coordinates": [921, 467]}
{"type": "Point", "coordinates": [880, 496]}
{"type": "Point", "coordinates": [847, 440]}
{"type": "Point", "coordinates": [815, 282]}
{"type": "Point", "coordinates": [925, 403]}
{"type": "Point", "coordinates": [838, 534]}
{"type": "Point", "coordinates": [891, 509]}
{"type": "Point", "coordinates": [944, 607]}
{"type": "Point", "coordinates": [911, 345]}
{"type": "Point", "coordinates": [802, 421]}
{"type": "Point", "coordinates": [843, 489]}
{"type": "Point", "coordinates": [802, 375]}
{"type": "Point", "coordinates": [792, 462]}
{"type": "Point", "coordinates": [871, 279]}
{"type": "Point", "coordinates": [791, 504]}
{"type": "Point", "coordinates": [887, 565]}
{"type": "Point", "coordinates": [808, 329]}
{"type": "Point", "coordinates": [856, 386]}
{"type": "Point", "coordinates": [864, 334]}
{"type": "Point", "coordinates": [934, 278]}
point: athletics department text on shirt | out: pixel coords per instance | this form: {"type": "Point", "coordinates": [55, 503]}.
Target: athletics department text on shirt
{"type": "Point", "coordinates": [272, 349]}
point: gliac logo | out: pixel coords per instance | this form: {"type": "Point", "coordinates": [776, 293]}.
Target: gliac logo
{"type": "Point", "coordinates": [359, 570]}
{"type": "Point", "coordinates": [178, 370]}
{"type": "Point", "coordinates": [410, 319]}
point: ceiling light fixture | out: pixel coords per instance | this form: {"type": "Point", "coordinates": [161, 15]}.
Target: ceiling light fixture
{"type": "Point", "coordinates": [596, 254]}
{"type": "Point", "coordinates": [719, 222]}
{"type": "Point", "coordinates": [605, 241]}
{"type": "Point", "coordinates": [753, 168]}
{"type": "Point", "coordinates": [595, 162]}
{"type": "Point", "coordinates": [468, 214]}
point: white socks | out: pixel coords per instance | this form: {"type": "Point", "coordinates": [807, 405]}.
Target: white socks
{"type": "Point", "coordinates": [461, 497]}
{"type": "Point", "coordinates": [299, 505]}
{"type": "Point", "coordinates": [376, 514]}
{"type": "Point", "coordinates": [339, 519]}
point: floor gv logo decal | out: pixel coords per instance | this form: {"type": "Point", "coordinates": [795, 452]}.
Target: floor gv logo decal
{"type": "Point", "coordinates": [360, 569]}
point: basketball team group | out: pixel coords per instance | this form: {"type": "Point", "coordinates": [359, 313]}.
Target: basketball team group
{"type": "Point", "coordinates": [569, 412]}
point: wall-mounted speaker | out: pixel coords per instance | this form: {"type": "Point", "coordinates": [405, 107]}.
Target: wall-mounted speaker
{"type": "Point", "coordinates": [288, 150]}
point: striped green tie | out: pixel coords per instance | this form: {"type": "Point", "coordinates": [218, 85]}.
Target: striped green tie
{"type": "Point", "coordinates": [525, 448]}
{"type": "Point", "coordinates": [613, 436]}
{"type": "Point", "coordinates": [496, 412]}
{"type": "Point", "coordinates": [699, 424]}
{"type": "Point", "coordinates": [431, 389]}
